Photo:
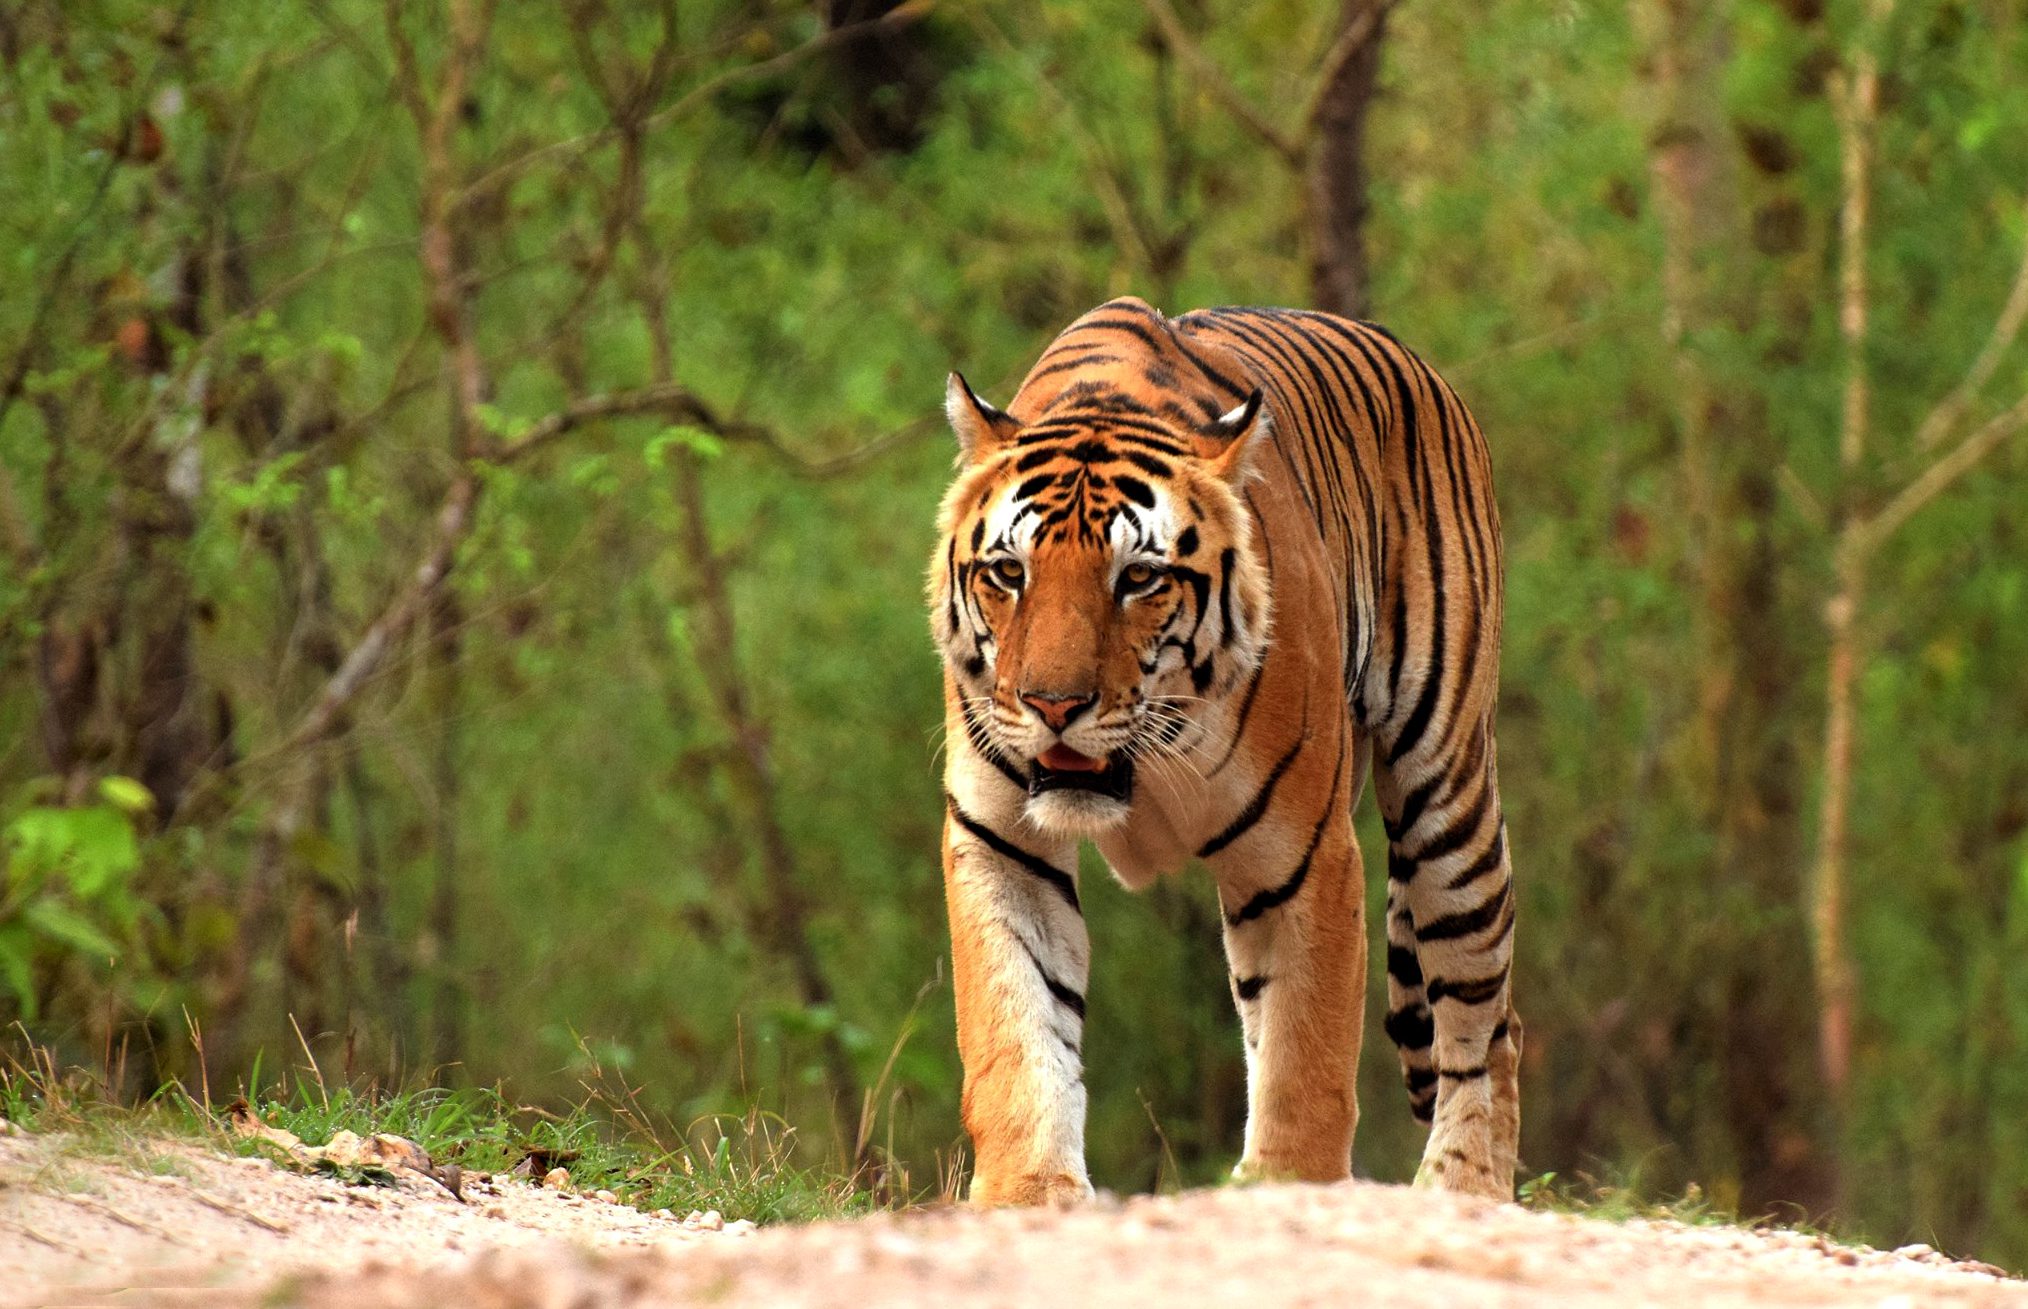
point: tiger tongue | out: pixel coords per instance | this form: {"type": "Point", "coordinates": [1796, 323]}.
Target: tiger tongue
{"type": "Point", "coordinates": [1063, 759]}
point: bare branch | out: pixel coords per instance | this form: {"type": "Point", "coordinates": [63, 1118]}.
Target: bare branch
{"type": "Point", "coordinates": [677, 403]}
{"type": "Point", "coordinates": [448, 297]}
{"type": "Point", "coordinates": [454, 522]}
{"type": "Point", "coordinates": [407, 73]}
{"type": "Point", "coordinates": [1291, 149]}
{"type": "Point", "coordinates": [2006, 329]}
{"type": "Point", "coordinates": [1871, 534]}
{"type": "Point", "coordinates": [1855, 104]}
{"type": "Point", "coordinates": [1351, 41]}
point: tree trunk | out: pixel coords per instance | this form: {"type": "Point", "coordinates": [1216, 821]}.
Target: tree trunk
{"type": "Point", "coordinates": [1337, 172]}
{"type": "Point", "coordinates": [1730, 263]}
{"type": "Point", "coordinates": [447, 1019]}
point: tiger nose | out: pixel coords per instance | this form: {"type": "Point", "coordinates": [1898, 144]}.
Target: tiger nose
{"type": "Point", "coordinates": [1057, 710]}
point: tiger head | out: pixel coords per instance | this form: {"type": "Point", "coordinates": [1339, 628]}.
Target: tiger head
{"type": "Point", "coordinates": [1096, 589]}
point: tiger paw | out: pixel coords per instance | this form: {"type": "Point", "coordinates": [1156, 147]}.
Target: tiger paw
{"type": "Point", "coordinates": [1453, 1170]}
{"type": "Point", "coordinates": [1049, 1190]}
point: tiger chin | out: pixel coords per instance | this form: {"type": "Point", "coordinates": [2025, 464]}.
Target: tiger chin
{"type": "Point", "coordinates": [1195, 580]}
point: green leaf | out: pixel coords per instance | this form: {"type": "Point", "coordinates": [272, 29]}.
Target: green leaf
{"type": "Point", "coordinates": [699, 442]}
{"type": "Point", "coordinates": [17, 947]}
{"type": "Point", "coordinates": [126, 794]}
{"type": "Point", "coordinates": [66, 927]}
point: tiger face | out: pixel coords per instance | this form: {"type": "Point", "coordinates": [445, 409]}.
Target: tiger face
{"type": "Point", "coordinates": [1096, 592]}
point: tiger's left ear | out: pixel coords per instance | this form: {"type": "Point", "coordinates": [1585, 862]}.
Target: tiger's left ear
{"type": "Point", "coordinates": [1244, 431]}
{"type": "Point", "coordinates": [978, 425]}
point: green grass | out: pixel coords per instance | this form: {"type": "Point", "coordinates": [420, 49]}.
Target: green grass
{"type": "Point", "coordinates": [1619, 1202]}
{"type": "Point", "coordinates": [739, 1166]}
{"type": "Point", "coordinates": [743, 1166]}
{"type": "Point", "coordinates": [1629, 1198]}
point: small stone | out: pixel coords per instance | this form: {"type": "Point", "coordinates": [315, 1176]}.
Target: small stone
{"type": "Point", "coordinates": [557, 1179]}
{"type": "Point", "coordinates": [605, 1197]}
{"type": "Point", "coordinates": [740, 1227]}
{"type": "Point", "coordinates": [669, 1214]}
{"type": "Point", "coordinates": [494, 1211]}
{"type": "Point", "coordinates": [1916, 1251]}
{"type": "Point", "coordinates": [711, 1220]}
{"type": "Point", "coordinates": [8, 1129]}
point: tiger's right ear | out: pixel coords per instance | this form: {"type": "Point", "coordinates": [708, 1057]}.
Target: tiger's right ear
{"type": "Point", "coordinates": [1245, 432]}
{"type": "Point", "coordinates": [978, 425]}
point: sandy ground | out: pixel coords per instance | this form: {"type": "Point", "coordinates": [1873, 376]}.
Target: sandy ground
{"type": "Point", "coordinates": [180, 1227]}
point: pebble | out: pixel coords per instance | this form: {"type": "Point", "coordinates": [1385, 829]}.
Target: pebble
{"type": "Point", "coordinates": [743, 1227]}
{"type": "Point", "coordinates": [708, 1221]}
{"type": "Point", "coordinates": [557, 1179]}
{"type": "Point", "coordinates": [670, 1214]}
{"type": "Point", "coordinates": [605, 1197]}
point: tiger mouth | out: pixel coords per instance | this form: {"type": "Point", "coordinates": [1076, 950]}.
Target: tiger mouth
{"type": "Point", "coordinates": [1111, 777]}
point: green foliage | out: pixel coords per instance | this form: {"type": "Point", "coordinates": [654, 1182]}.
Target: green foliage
{"type": "Point", "coordinates": [739, 1165]}
{"type": "Point", "coordinates": [70, 889]}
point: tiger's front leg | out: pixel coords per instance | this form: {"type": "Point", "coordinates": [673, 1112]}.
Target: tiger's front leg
{"type": "Point", "coordinates": [1295, 939]}
{"type": "Point", "coordinates": [1020, 957]}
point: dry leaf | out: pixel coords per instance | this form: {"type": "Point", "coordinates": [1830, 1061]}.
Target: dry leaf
{"type": "Point", "coordinates": [377, 1153]}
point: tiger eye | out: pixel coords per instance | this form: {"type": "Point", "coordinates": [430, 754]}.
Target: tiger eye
{"type": "Point", "coordinates": [1008, 571]}
{"type": "Point", "coordinates": [1139, 574]}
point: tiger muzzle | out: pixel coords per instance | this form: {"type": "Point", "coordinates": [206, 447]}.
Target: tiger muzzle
{"type": "Point", "coordinates": [1112, 778]}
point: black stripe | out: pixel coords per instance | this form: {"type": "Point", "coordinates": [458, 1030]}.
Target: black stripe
{"type": "Point", "coordinates": [1136, 490]}
{"type": "Point", "coordinates": [975, 732]}
{"type": "Point", "coordinates": [1452, 926]}
{"type": "Point", "coordinates": [1145, 462]}
{"type": "Point", "coordinates": [1065, 996]}
{"type": "Point", "coordinates": [1412, 806]}
{"type": "Point", "coordinates": [1217, 378]}
{"type": "Point", "coordinates": [1245, 711]}
{"type": "Point", "coordinates": [1452, 839]}
{"type": "Point", "coordinates": [1275, 897]}
{"type": "Point", "coordinates": [1042, 868]}
{"type": "Point", "coordinates": [1411, 1028]}
{"type": "Point", "coordinates": [1462, 1074]}
{"type": "Point", "coordinates": [1478, 990]}
{"type": "Point", "coordinates": [1248, 987]}
{"type": "Point", "coordinates": [1068, 998]}
{"type": "Point", "coordinates": [1229, 631]}
{"type": "Point", "coordinates": [1403, 966]}
{"type": "Point", "coordinates": [1432, 683]}
{"type": "Point", "coordinates": [1485, 864]}
{"type": "Point", "coordinates": [1066, 365]}
{"type": "Point", "coordinates": [1257, 806]}
{"type": "Point", "coordinates": [1419, 1080]}
{"type": "Point", "coordinates": [1128, 326]}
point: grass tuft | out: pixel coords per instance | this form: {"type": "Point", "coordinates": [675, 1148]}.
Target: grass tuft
{"type": "Point", "coordinates": [742, 1165]}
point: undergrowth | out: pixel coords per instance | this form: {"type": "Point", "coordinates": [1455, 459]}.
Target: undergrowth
{"type": "Point", "coordinates": [742, 1165]}
{"type": "Point", "coordinates": [1631, 1197]}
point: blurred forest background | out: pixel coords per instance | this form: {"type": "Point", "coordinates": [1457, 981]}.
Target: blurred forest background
{"type": "Point", "coordinates": [466, 473]}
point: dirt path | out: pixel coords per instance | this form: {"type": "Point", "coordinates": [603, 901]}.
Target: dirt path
{"type": "Point", "coordinates": [183, 1228]}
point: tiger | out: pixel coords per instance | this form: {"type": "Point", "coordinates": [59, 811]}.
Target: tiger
{"type": "Point", "coordinates": [1196, 578]}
